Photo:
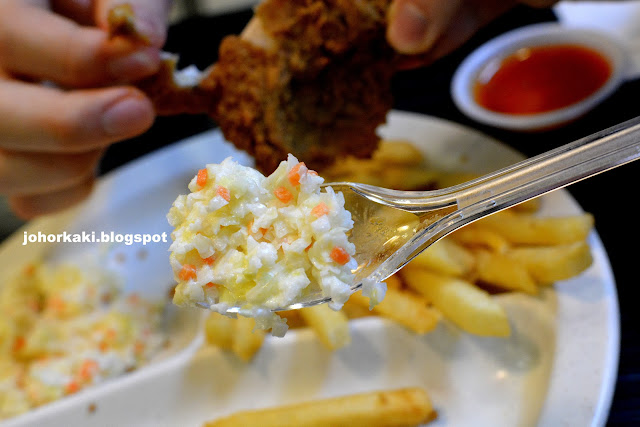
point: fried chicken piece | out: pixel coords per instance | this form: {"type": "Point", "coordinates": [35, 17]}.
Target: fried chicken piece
{"type": "Point", "coordinates": [122, 23]}
{"type": "Point", "coordinates": [307, 77]}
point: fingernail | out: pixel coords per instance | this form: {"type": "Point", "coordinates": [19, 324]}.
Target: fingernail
{"type": "Point", "coordinates": [135, 65]}
{"type": "Point", "coordinates": [127, 117]}
{"type": "Point", "coordinates": [409, 29]}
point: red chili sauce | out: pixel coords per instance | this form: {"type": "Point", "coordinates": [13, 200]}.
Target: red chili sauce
{"type": "Point", "coordinates": [540, 79]}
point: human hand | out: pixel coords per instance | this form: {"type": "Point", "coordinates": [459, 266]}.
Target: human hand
{"type": "Point", "coordinates": [63, 95]}
{"type": "Point", "coordinates": [437, 27]}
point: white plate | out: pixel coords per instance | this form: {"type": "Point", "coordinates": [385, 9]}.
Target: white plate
{"type": "Point", "coordinates": [215, 7]}
{"type": "Point", "coordinates": [558, 368]}
{"type": "Point", "coordinates": [182, 9]}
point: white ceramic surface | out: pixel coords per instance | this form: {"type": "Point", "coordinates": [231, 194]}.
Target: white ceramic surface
{"type": "Point", "coordinates": [214, 7]}
{"type": "Point", "coordinates": [558, 368]}
{"type": "Point", "coordinates": [619, 19]}
{"type": "Point", "coordinates": [530, 36]}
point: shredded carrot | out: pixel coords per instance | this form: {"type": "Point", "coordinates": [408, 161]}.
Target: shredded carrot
{"type": "Point", "coordinates": [110, 334]}
{"type": "Point", "coordinates": [103, 346]}
{"type": "Point", "coordinates": [29, 270]}
{"type": "Point", "coordinates": [224, 193]}
{"type": "Point", "coordinates": [88, 369]}
{"type": "Point", "coordinates": [311, 172]}
{"type": "Point", "coordinates": [320, 210]}
{"type": "Point", "coordinates": [339, 255]}
{"type": "Point", "coordinates": [283, 194]}
{"type": "Point", "coordinates": [211, 285]}
{"type": "Point", "coordinates": [33, 394]}
{"type": "Point", "coordinates": [263, 230]}
{"type": "Point", "coordinates": [138, 347]}
{"type": "Point", "coordinates": [203, 176]}
{"type": "Point", "coordinates": [56, 304]}
{"type": "Point", "coordinates": [210, 260]}
{"type": "Point", "coordinates": [72, 387]}
{"type": "Point", "coordinates": [34, 306]}
{"type": "Point", "coordinates": [19, 343]}
{"type": "Point", "coordinates": [21, 379]}
{"type": "Point", "coordinates": [294, 174]}
{"type": "Point", "coordinates": [188, 272]}
{"type": "Point", "coordinates": [308, 247]}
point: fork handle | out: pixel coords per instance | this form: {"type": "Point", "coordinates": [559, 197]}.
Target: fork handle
{"type": "Point", "coordinates": [554, 169]}
{"type": "Point", "coordinates": [444, 211]}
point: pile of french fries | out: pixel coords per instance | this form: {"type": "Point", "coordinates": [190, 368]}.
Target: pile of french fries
{"type": "Point", "coordinates": [455, 279]}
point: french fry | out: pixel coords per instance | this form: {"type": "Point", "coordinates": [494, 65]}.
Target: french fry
{"type": "Point", "coordinates": [397, 153]}
{"type": "Point", "coordinates": [530, 206]}
{"type": "Point", "coordinates": [533, 230]}
{"type": "Point", "coordinates": [548, 264]}
{"type": "Point", "coordinates": [469, 307]}
{"type": "Point", "coordinates": [393, 282]}
{"type": "Point", "coordinates": [398, 408]}
{"type": "Point", "coordinates": [396, 165]}
{"type": "Point", "coordinates": [246, 339]}
{"type": "Point", "coordinates": [331, 327]}
{"type": "Point", "coordinates": [475, 237]}
{"type": "Point", "coordinates": [361, 177]}
{"type": "Point", "coordinates": [403, 178]}
{"type": "Point", "coordinates": [406, 308]}
{"type": "Point", "coordinates": [353, 310]}
{"type": "Point", "coordinates": [504, 272]}
{"type": "Point", "coordinates": [449, 179]}
{"type": "Point", "coordinates": [294, 319]}
{"type": "Point", "coordinates": [218, 330]}
{"type": "Point", "coordinates": [350, 166]}
{"type": "Point", "coordinates": [446, 257]}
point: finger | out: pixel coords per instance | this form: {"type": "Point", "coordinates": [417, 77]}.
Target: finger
{"type": "Point", "coordinates": [38, 173]}
{"type": "Point", "coordinates": [150, 17]}
{"type": "Point", "coordinates": [37, 118]}
{"type": "Point", "coordinates": [28, 207]}
{"type": "Point", "coordinates": [474, 15]}
{"type": "Point", "coordinates": [415, 25]}
{"type": "Point", "coordinates": [454, 28]}
{"type": "Point", "coordinates": [40, 44]}
{"type": "Point", "coordinates": [80, 11]}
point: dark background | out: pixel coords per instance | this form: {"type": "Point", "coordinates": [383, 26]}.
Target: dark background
{"type": "Point", "coordinates": [610, 196]}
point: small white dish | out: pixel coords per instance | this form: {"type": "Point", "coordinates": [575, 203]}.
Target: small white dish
{"type": "Point", "coordinates": [548, 34]}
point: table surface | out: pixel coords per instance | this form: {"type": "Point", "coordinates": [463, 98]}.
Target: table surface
{"type": "Point", "coordinates": [426, 91]}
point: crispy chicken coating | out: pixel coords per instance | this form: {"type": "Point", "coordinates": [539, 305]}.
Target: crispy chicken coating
{"type": "Point", "coordinates": [307, 77]}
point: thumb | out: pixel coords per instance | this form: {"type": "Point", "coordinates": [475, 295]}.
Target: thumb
{"type": "Point", "coordinates": [415, 25]}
